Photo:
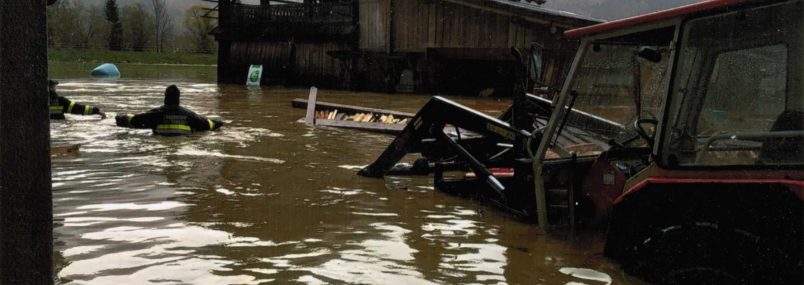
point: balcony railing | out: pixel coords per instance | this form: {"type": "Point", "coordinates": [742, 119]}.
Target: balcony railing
{"type": "Point", "coordinates": [239, 16]}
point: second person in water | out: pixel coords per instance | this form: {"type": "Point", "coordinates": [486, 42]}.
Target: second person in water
{"type": "Point", "coordinates": [60, 105]}
{"type": "Point", "coordinates": [170, 119]}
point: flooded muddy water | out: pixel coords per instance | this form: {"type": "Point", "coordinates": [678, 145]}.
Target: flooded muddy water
{"type": "Point", "coordinates": [269, 200]}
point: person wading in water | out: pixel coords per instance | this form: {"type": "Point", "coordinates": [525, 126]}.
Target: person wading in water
{"type": "Point", "coordinates": [60, 105]}
{"type": "Point", "coordinates": [170, 119]}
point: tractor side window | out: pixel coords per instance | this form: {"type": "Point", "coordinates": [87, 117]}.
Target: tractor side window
{"type": "Point", "coordinates": [737, 92]}
{"type": "Point", "coordinates": [734, 104]}
{"type": "Point", "coordinates": [613, 83]}
{"type": "Point", "coordinates": [612, 88]}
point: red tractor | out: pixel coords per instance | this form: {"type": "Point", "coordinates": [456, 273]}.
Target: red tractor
{"type": "Point", "coordinates": [681, 131]}
{"type": "Point", "coordinates": [721, 198]}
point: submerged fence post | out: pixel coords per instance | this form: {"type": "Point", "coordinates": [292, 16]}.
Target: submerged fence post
{"type": "Point", "coordinates": [310, 118]}
{"type": "Point", "coordinates": [26, 212]}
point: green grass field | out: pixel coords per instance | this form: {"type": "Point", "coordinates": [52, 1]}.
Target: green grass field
{"type": "Point", "coordinates": [103, 56]}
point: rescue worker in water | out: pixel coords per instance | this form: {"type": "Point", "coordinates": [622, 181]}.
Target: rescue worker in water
{"type": "Point", "coordinates": [60, 105]}
{"type": "Point", "coordinates": [170, 119]}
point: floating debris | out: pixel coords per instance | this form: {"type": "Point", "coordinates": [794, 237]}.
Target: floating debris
{"type": "Point", "coordinates": [369, 117]}
{"type": "Point", "coordinates": [355, 117]}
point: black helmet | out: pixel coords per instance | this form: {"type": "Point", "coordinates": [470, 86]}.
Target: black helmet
{"type": "Point", "coordinates": [172, 94]}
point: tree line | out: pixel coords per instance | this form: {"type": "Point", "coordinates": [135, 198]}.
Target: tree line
{"type": "Point", "coordinates": [133, 27]}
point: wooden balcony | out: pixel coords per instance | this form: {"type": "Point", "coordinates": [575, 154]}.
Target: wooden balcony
{"type": "Point", "coordinates": [323, 20]}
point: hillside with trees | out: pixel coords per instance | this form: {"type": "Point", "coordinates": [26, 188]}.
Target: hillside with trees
{"type": "Point", "coordinates": [131, 25]}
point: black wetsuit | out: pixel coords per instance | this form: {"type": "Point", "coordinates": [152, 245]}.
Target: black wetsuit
{"type": "Point", "coordinates": [169, 120]}
{"type": "Point", "coordinates": [60, 105]}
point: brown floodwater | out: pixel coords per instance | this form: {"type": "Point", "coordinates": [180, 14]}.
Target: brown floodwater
{"type": "Point", "coordinates": [269, 200]}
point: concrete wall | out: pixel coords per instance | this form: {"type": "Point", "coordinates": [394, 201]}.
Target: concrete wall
{"type": "Point", "coordinates": [26, 218]}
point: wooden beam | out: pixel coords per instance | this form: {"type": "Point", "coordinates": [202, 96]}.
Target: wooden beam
{"type": "Point", "coordinates": [391, 26]}
{"type": "Point", "coordinates": [310, 118]}
{"type": "Point", "coordinates": [26, 211]}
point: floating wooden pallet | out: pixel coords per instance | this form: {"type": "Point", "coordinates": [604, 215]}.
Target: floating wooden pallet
{"type": "Point", "coordinates": [357, 117]}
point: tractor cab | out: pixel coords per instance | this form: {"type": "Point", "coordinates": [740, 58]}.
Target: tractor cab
{"type": "Point", "coordinates": [737, 98]}
{"type": "Point", "coordinates": [614, 94]}
{"type": "Point", "coordinates": [720, 199]}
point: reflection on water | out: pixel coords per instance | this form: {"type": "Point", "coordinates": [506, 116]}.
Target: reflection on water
{"type": "Point", "coordinates": [267, 199]}
{"type": "Point", "coordinates": [587, 274]}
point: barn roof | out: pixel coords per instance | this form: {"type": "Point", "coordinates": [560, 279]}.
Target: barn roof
{"type": "Point", "coordinates": [652, 17]}
{"type": "Point", "coordinates": [530, 11]}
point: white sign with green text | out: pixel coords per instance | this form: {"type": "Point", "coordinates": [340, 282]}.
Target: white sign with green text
{"type": "Point", "coordinates": [254, 75]}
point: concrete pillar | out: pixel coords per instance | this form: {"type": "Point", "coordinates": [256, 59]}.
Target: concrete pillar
{"type": "Point", "coordinates": [26, 215]}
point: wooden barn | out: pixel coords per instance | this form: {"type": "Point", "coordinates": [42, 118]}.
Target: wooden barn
{"type": "Point", "coordinates": [435, 46]}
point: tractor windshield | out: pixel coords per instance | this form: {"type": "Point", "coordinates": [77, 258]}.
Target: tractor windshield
{"type": "Point", "coordinates": [737, 91]}
{"type": "Point", "coordinates": [617, 82]}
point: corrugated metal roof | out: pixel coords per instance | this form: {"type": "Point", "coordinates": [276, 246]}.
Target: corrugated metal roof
{"type": "Point", "coordinates": [650, 17]}
{"type": "Point", "coordinates": [539, 9]}
{"type": "Point", "coordinates": [532, 10]}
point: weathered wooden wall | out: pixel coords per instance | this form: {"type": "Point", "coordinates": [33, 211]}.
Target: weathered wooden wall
{"type": "Point", "coordinates": [312, 59]}
{"type": "Point", "coordinates": [284, 61]}
{"type": "Point", "coordinates": [423, 24]}
{"type": "Point", "coordinates": [374, 24]}
{"type": "Point", "coordinates": [275, 56]}
{"type": "Point", "coordinates": [438, 43]}
{"type": "Point", "coordinates": [470, 44]}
